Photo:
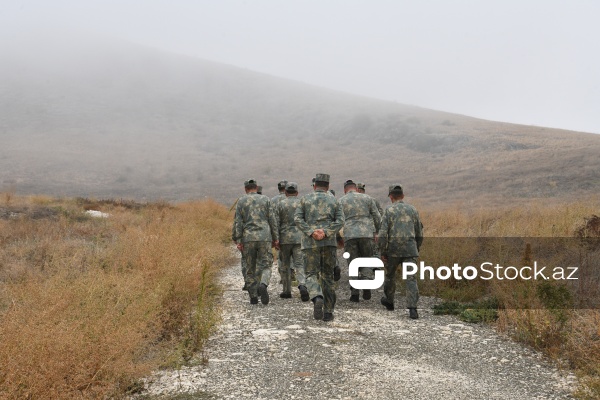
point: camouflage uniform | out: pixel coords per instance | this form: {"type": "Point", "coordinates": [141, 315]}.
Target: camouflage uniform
{"type": "Point", "coordinates": [320, 210]}
{"type": "Point", "coordinates": [243, 260]}
{"type": "Point", "coordinates": [400, 238]}
{"type": "Point", "coordinates": [274, 202]}
{"type": "Point", "coordinates": [289, 240]}
{"type": "Point", "coordinates": [361, 189]}
{"type": "Point", "coordinates": [254, 227]}
{"type": "Point", "coordinates": [362, 220]}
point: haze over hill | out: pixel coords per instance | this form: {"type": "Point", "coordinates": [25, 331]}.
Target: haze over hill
{"type": "Point", "coordinates": [106, 119]}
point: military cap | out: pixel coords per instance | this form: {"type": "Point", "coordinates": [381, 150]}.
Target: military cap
{"type": "Point", "coordinates": [395, 189]}
{"type": "Point", "coordinates": [259, 189]}
{"type": "Point", "coordinates": [332, 192]}
{"type": "Point", "coordinates": [360, 185]}
{"type": "Point", "coordinates": [250, 182]}
{"type": "Point", "coordinates": [322, 178]}
{"type": "Point", "coordinates": [282, 184]}
{"type": "Point", "coordinates": [291, 187]}
{"type": "Point", "coordinates": [349, 182]}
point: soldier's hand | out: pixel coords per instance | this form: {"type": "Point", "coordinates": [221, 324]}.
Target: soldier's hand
{"type": "Point", "coordinates": [276, 244]}
{"type": "Point", "coordinates": [318, 234]}
{"type": "Point", "coordinates": [384, 258]}
{"type": "Point", "coordinates": [376, 237]}
{"type": "Point", "coordinates": [240, 246]}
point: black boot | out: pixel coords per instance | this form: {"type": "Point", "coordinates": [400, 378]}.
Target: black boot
{"type": "Point", "coordinates": [387, 304]}
{"type": "Point", "coordinates": [328, 316]}
{"type": "Point", "coordinates": [412, 313]}
{"type": "Point", "coordinates": [318, 309]}
{"type": "Point", "coordinates": [337, 273]}
{"type": "Point", "coordinates": [367, 294]}
{"type": "Point", "coordinates": [285, 295]}
{"type": "Point", "coordinates": [304, 293]}
{"type": "Point", "coordinates": [264, 295]}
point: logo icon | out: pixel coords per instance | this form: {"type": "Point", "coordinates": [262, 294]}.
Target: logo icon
{"type": "Point", "coordinates": [365, 262]}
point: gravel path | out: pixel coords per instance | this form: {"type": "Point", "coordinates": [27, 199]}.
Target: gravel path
{"type": "Point", "coordinates": [279, 351]}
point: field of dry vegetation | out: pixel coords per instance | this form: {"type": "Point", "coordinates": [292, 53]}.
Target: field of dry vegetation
{"type": "Point", "coordinates": [90, 305]}
{"type": "Point", "coordinates": [553, 317]}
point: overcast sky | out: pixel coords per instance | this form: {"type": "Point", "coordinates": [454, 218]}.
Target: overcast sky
{"type": "Point", "coordinates": [530, 62]}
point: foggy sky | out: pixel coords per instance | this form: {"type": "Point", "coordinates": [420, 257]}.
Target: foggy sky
{"type": "Point", "coordinates": [528, 62]}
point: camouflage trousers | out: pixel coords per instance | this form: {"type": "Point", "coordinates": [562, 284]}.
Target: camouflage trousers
{"type": "Point", "coordinates": [319, 264]}
{"type": "Point", "coordinates": [289, 252]}
{"type": "Point", "coordinates": [360, 247]}
{"type": "Point", "coordinates": [259, 261]}
{"type": "Point", "coordinates": [389, 284]}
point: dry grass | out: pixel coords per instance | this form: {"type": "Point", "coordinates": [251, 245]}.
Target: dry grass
{"type": "Point", "coordinates": [87, 305]}
{"type": "Point", "coordinates": [569, 335]}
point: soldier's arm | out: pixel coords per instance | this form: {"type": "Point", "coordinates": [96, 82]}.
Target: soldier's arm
{"type": "Point", "coordinates": [375, 215]}
{"type": "Point", "coordinates": [272, 222]}
{"type": "Point", "coordinates": [277, 218]}
{"type": "Point", "coordinates": [383, 234]}
{"type": "Point", "coordinates": [300, 221]}
{"type": "Point", "coordinates": [337, 224]}
{"type": "Point", "coordinates": [418, 231]}
{"type": "Point", "coordinates": [238, 224]}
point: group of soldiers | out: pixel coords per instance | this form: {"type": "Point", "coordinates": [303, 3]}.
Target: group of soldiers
{"type": "Point", "coordinates": [307, 231]}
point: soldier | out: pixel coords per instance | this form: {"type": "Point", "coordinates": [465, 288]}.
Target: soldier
{"type": "Point", "coordinates": [400, 239]}
{"type": "Point", "coordinates": [259, 189]}
{"type": "Point", "coordinates": [320, 217]}
{"type": "Point", "coordinates": [362, 220]}
{"type": "Point", "coordinates": [289, 242]}
{"type": "Point", "coordinates": [253, 234]}
{"type": "Point", "coordinates": [243, 260]}
{"type": "Point", "coordinates": [274, 201]}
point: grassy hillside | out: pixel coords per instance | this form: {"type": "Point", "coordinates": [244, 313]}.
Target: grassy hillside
{"type": "Point", "coordinates": [89, 117]}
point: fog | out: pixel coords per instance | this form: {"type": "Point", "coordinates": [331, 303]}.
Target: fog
{"type": "Point", "coordinates": [532, 62]}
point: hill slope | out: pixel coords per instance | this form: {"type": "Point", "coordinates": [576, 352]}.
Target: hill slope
{"type": "Point", "coordinates": [90, 117]}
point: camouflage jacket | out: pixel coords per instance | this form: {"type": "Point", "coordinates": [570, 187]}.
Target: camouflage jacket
{"type": "Point", "coordinates": [276, 199]}
{"type": "Point", "coordinates": [401, 232]}
{"type": "Point", "coordinates": [284, 220]}
{"type": "Point", "coordinates": [319, 210]}
{"type": "Point", "coordinates": [253, 221]}
{"type": "Point", "coordinates": [362, 219]}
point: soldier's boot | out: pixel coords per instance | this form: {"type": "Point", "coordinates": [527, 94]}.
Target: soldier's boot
{"type": "Point", "coordinates": [285, 295]}
{"type": "Point", "coordinates": [328, 316]}
{"type": "Point", "coordinates": [253, 300]}
{"type": "Point", "coordinates": [318, 308]}
{"type": "Point", "coordinates": [387, 304]}
{"type": "Point", "coordinates": [354, 297]}
{"type": "Point", "coordinates": [413, 314]}
{"type": "Point", "coordinates": [303, 293]}
{"type": "Point", "coordinates": [264, 294]}
{"type": "Point", "coordinates": [337, 273]}
{"type": "Point", "coordinates": [367, 294]}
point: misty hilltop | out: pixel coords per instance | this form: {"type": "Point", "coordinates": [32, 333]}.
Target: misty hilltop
{"type": "Point", "coordinates": [84, 116]}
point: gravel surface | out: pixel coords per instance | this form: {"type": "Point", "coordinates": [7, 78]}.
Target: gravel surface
{"type": "Point", "coordinates": [279, 351]}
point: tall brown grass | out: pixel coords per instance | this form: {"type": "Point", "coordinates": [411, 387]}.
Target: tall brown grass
{"type": "Point", "coordinates": [569, 335]}
{"type": "Point", "coordinates": [87, 306]}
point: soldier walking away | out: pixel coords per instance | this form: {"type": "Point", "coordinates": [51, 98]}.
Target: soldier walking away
{"type": "Point", "coordinates": [362, 220]}
{"type": "Point", "coordinates": [274, 201]}
{"type": "Point", "coordinates": [400, 239]}
{"type": "Point", "coordinates": [244, 267]}
{"type": "Point", "coordinates": [253, 233]}
{"type": "Point", "coordinates": [319, 217]}
{"type": "Point", "coordinates": [289, 242]}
